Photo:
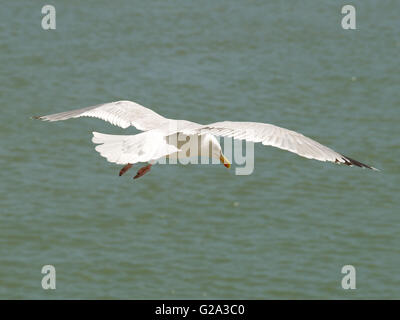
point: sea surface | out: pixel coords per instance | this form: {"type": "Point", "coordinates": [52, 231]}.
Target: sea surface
{"type": "Point", "coordinates": [200, 232]}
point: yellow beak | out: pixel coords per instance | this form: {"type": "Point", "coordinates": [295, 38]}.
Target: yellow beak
{"type": "Point", "coordinates": [225, 161]}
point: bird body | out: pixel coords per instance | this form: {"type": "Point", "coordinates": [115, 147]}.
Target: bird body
{"type": "Point", "coordinates": [182, 139]}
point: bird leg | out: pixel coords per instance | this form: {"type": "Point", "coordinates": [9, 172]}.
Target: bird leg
{"type": "Point", "coordinates": [142, 171]}
{"type": "Point", "coordinates": [125, 169]}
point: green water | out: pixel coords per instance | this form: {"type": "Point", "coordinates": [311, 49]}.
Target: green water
{"type": "Point", "coordinates": [283, 232]}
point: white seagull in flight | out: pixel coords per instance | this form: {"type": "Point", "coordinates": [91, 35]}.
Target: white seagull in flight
{"type": "Point", "coordinates": [157, 139]}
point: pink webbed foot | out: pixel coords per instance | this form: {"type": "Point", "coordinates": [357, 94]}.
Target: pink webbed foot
{"type": "Point", "coordinates": [125, 169]}
{"type": "Point", "coordinates": [142, 171]}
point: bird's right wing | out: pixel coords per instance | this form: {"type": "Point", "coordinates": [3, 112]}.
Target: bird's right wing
{"type": "Point", "coordinates": [282, 138]}
{"type": "Point", "coordinates": [119, 113]}
{"type": "Point", "coordinates": [141, 147]}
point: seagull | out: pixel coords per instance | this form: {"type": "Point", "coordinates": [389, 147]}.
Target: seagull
{"type": "Point", "coordinates": [159, 137]}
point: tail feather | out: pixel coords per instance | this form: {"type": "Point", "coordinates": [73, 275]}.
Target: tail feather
{"type": "Point", "coordinates": [123, 149]}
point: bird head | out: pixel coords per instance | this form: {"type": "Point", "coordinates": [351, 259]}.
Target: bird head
{"type": "Point", "coordinates": [210, 143]}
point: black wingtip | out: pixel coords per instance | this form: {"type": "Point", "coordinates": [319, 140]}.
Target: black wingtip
{"type": "Point", "coordinates": [351, 162]}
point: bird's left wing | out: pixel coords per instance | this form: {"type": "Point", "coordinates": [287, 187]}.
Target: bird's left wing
{"type": "Point", "coordinates": [282, 138]}
{"type": "Point", "coordinates": [119, 113]}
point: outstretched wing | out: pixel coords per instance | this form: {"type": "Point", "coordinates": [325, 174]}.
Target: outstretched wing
{"type": "Point", "coordinates": [119, 113]}
{"type": "Point", "coordinates": [141, 147]}
{"type": "Point", "coordinates": [285, 139]}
